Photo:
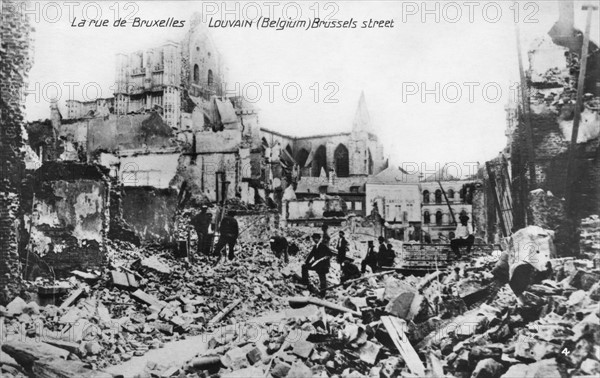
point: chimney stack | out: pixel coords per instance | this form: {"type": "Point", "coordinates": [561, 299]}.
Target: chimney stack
{"type": "Point", "coordinates": [566, 13]}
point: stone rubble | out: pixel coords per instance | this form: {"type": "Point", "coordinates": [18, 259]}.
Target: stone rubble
{"type": "Point", "coordinates": [458, 322]}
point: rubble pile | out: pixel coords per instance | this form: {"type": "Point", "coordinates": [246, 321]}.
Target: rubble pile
{"type": "Point", "coordinates": [355, 337]}
{"type": "Point", "coordinates": [458, 323]}
{"type": "Point", "coordinates": [146, 298]}
{"type": "Point", "coordinates": [590, 237]}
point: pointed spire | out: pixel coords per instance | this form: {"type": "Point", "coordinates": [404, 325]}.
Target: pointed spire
{"type": "Point", "coordinates": [362, 120]}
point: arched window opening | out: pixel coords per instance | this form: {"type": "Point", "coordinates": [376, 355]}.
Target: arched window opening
{"type": "Point", "coordinates": [450, 194]}
{"type": "Point", "coordinates": [425, 196]}
{"type": "Point", "coordinates": [196, 74]}
{"type": "Point", "coordinates": [319, 161]}
{"type": "Point", "coordinates": [301, 157]}
{"type": "Point", "coordinates": [438, 196]}
{"type": "Point", "coordinates": [438, 218]}
{"type": "Point", "coordinates": [341, 161]}
{"type": "Point", "coordinates": [210, 78]}
{"type": "Point", "coordinates": [426, 217]}
{"type": "Point", "coordinates": [370, 162]}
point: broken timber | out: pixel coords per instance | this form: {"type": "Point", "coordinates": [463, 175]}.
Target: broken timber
{"type": "Point", "coordinates": [394, 327]}
{"type": "Point", "coordinates": [148, 299]}
{"type": "Point", "coordinates": [320, 302]}
{"type": "Point", "coordinates": [349, 282]}
{"type": "Point", "coordinates": [72, 298]}
{"type": "Point", "coordinates": [26, 353]}
{"type": "Point", "coordinates": [51, 368]}
{"type": "Point", "coordinates": [225, 311]}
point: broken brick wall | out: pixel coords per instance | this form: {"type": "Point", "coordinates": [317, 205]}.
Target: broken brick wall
{"type": "Point", "coordinates": [119, 228]}
{"type": "Point", "coordinates": [150, 212]}
{"type": "Point", "coordinates": [479, 212]}
{"type": "Point", "coordinates": [16, 61]}
{"type": "Point", "coordinates": [257, 227]}
{"type": "Point", "coordinates": [200, 172]}
{"type": "Point", "coordinates": [70, 218]}
{"type": "Point", "coordinates": [553, 89]}
{"type": "Point", "coordinates": [313, 209]}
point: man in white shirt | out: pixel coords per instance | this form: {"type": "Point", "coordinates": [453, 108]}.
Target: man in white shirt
{"type": "Point", "coordinates": [463, 236]}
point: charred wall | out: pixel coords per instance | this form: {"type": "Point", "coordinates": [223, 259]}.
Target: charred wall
{"type": "Point", "coordinates": [16, 58]}
{"type": "Point", "coordinates": [70, 218]}
{"type": "Point", "coordinates": [552, 86]}
{"type": "Point", "coordinates": [150, 212]}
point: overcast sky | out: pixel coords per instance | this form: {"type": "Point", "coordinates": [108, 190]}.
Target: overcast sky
{"type": "Point", "coordinates": [388, 64]}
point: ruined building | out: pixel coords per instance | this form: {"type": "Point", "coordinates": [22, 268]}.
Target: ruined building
{"type": "Point", "coordinates": [551, 82]}
{"type": "Point", "coordinates": [172, 78]}
{"type": "Point", "coordinates": [330, 164]}
{"type": "Point", "coordinates": [16, 57]}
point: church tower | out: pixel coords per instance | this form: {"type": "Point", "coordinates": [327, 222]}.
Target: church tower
{"type": "Point", "coordinates": [366, 153]}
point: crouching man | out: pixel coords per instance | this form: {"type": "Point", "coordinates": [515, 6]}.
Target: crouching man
{"type": "Point", "coordinates": [318, 260]}
{"type": "Point", "coordinates": [349, 271]}
{"type": "Point", "coordinates": [279, 246]}
{"type": "Point", "coordinates": [526, 261]}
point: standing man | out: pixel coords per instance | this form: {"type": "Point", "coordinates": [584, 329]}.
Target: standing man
{"type": "Point", "coordinates": [326, 237]}
{"type": "Point", "coordinates": [382, 253]}
{"type": "Point", "coordinates": [342, 248]}
{"type": "Point", "coordinates": [388, 257]}
{"type": "Point", "coordinates": [370, 258]}
{"type": "Point", "coordinates": [317, 260]}
{"type": "Point", "coordinates": [463, 236]}
{"type": "Point", "coordinates": [279, 246]}
{"type": "Point", "coordinates": [229, 233]}
{"type": "Point", "coordinates": [201, 223]}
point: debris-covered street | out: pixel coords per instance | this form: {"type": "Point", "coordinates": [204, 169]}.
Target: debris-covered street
{"type": "Point", "coordinates": [172, 228]}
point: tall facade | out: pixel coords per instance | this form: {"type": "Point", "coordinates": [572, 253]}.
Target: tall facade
{"type": "Point", "coordinates": [172, 78]}
{"type": "Point", "coordinates": [150, 79]}
{"type": "Point", "coordinates": [202, 71]}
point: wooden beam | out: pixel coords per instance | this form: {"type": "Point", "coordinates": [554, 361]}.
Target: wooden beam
{"type": "Point", "coordinates": [72, 298]}
{"type": "Point", "coordinates": [492, 178]}
{"type": "Point", "coordinates": [578, 104]}
{"type": "Point", "coordinates": [447, 202]}
{"type": "Point", "coordinates": [528, 130]}
{"type": "Point", "coordinates": [350, 282]}
{"type": "Point", "coordinates": [51, 368]}
{"type": "Point", "coordinates": [321, 302]}
{"type": "Point", "coordinates": [225, 311]}
{"type": "Point", "coordinates": [394, 327]}
{"type": "Point", "coordinates": [26, 353]}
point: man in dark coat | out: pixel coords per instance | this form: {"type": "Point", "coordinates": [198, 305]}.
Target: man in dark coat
{"type": "Point", "coordinates": [342, 248]}
{"type": "Point", "coordinates": [201, 223]}
{"type": "Point", "coordinates": [383, 255]}
{"type": "Point", "coordinates": [386, 257]}
{"type": "Point", "coordinates": [317, 260]}
{"type": "Point", "coordinates": [349, 271]}
{"type": "Point", "coordinates": [279, 245]}
{"type": "Point", "coordinates": [326, 238]}
{"type": "Point", "coordinates": [229, 233]}
{"type": "Point", "coordinates": [370, 258]}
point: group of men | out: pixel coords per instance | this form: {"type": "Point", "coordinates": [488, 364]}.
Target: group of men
{"type": "Point", "coordinates": [228, 233]}
{"type": "Point", "coordinates": [318, 259]}
{"type": "Point", "coordinates": [383, 257]}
